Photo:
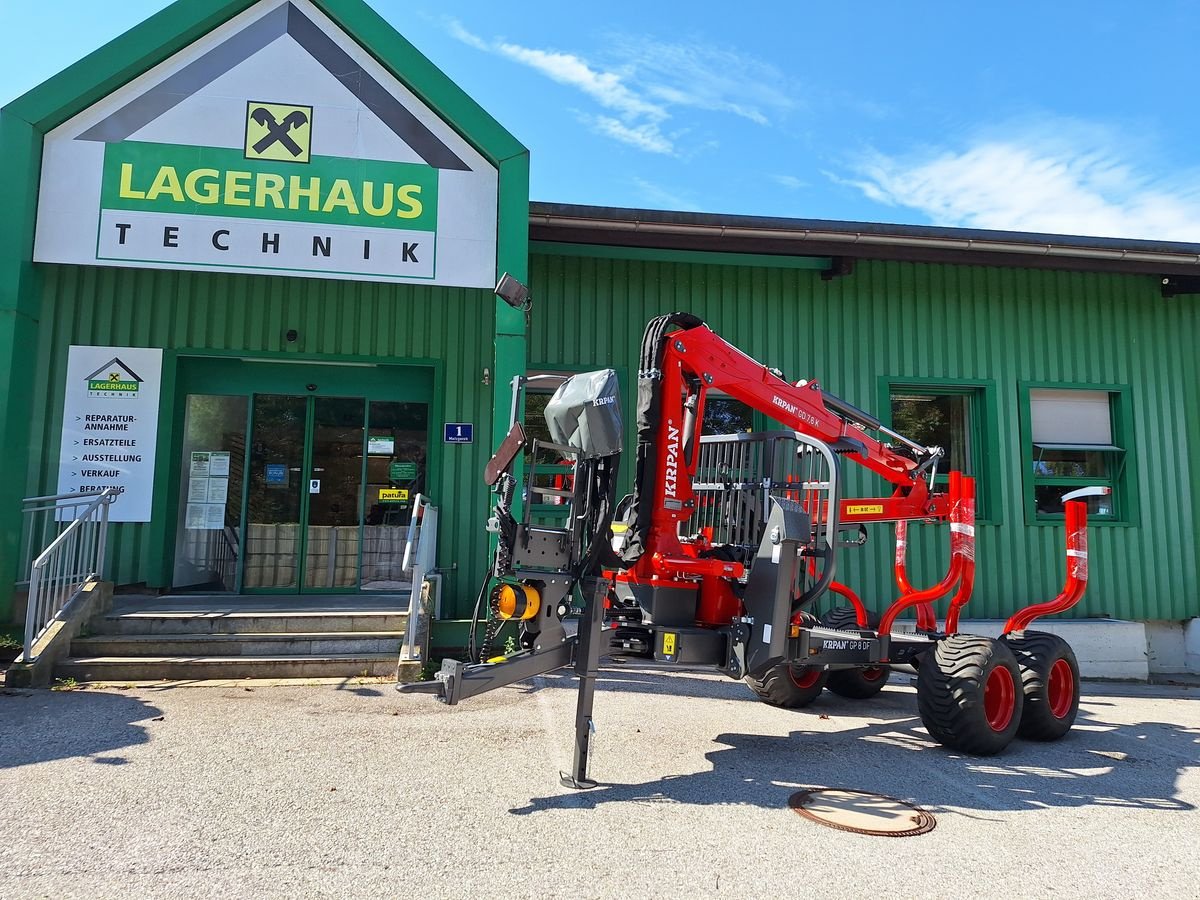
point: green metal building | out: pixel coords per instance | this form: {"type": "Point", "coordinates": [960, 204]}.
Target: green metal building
{"type": "Point", "coordinates": [307, 275]}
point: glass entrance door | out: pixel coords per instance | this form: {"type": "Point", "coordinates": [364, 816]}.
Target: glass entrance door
{"type": "Point", "coordinates": [319, 467]}
{"type": "Point", "coordinates": [305, 497]}
{"type": "Point", "coordinates": [335, 493]}
{"type": "Point", "coordinates": [275, 501]}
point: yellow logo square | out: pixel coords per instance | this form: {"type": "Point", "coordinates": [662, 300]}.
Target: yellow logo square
{"type": "Point", "coordinates": [278, 132]}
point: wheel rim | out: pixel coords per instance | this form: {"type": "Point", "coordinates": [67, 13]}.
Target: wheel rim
{"type": "Point", "coordinates": [804, 676]}
{"type": "Point", "coordinates": [1060, 689]}
{"type": "Point", "coordinates": [873, 673]}
{"type": "Point", "coordinates": [999, 698]}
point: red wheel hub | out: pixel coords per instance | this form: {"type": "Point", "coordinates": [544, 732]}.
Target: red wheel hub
{"type": "Point", "coordinates": [804, 676]}
{"type": "Point", "coordinates": [873, 673]}
{"type": "Point", "coordinates": [999, 698]}
{"type": "Point", "coordinates": [1060, 689]}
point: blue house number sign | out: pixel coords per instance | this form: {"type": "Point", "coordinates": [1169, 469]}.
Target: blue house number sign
{"type": "Point", "coordinates": [459, 433]}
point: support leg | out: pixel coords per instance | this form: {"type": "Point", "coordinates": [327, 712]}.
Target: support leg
{"type": "Point", "coordinates": [587, 664]}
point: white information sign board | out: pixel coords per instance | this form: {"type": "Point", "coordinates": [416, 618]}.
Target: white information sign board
{"type": "Point", "coordinates": [273, 144]}
{"type": "Point", "coordinates": [110, 426]}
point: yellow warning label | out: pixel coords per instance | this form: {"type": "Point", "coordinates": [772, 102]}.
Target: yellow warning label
{"type": "Point", "coordinates": [865, 509]}
{"type": "Point", "coordinates": [278, 131]}
{"type": "Point", "coordinates": [668, 644]}
{"type": "Point", "coordinates": [393, 495]}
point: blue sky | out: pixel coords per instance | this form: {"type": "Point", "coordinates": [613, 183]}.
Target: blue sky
{"type": "Point", "coordinates": [1068, 117]}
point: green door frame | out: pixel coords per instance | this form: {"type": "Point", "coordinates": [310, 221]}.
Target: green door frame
{"type": "Point", "coordinates": [235, 376]}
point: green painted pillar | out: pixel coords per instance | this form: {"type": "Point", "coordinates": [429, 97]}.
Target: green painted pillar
{"type": "Point", "coordinates": [20, 164]}
{"type": "Point", "coordinates": [512, 256]}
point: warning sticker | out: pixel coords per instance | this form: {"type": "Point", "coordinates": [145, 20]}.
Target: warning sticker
{"type": "Point", "coordinates": [668, 644]}
{"type": "Point", "coordinates": [865, 509]}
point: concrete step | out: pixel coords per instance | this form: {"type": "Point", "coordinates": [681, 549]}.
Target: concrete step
{"type": "Point", "coordinates": [176, 668]}
{"type": "Point", "coordinates": [159, 622]}
{"type": "Point", "coordinates": [243, 644]}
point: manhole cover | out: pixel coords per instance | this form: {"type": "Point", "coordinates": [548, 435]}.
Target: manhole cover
{"type": "Point", "coordinates": [862, 812]}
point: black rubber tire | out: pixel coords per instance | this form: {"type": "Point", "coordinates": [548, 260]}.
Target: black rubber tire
{"type": "Point", "coordinates": [844, 617]}
{"type": "Point", "coordinates": [1038, 653]}
{"type": "Point", "coordinates": [861, 683]}
{"type": "Point", "coordinates": [788, 686]}
{"type": "Point", "coordinates": [951, 694]}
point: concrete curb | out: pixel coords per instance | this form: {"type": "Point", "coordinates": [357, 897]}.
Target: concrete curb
{"type": "Point", "coordinates": [55, 644]}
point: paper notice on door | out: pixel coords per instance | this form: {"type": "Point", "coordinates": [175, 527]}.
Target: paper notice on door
{"type": "Point", "coordinates": [214, 516]}
{"type": "Point", "coordinates": [218, 490]}
{"type": "Point", "coordinates": [218, 464]}
{"type": "Point", "coordinates": [198, 489]}
{"type": "Point", "coordinates": [194, 518]}
{"type": "Point", "coordinates": [200, 464]}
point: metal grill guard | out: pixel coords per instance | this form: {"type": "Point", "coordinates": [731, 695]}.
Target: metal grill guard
{"type": "Point", "coordinates": [738, 473]}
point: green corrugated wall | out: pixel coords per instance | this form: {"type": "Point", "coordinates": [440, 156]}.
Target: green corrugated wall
{"type": "Point", "coordinates": [941, 321]}
{"type": "Point", "coordinates": [250, 314]}
{"type": "Point", "coordinates": [887, 319]}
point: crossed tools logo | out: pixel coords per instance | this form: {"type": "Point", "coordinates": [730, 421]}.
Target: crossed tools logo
{"type": "Point", "coordinates": [278, 131]}
{"type": "Point", "coordinates": [113, 379]}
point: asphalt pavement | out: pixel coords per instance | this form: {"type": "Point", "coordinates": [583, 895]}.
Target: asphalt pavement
{"type": "Point", "coordinates": [353, 790]}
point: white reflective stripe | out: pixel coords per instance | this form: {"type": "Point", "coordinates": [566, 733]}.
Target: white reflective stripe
{"type": "Point", "coordinates": [1081, 554]}
{"type": "Point", "coordinates": [963, 528]}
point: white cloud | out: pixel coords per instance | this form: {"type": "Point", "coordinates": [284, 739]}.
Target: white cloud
{"type": "Point", "coordinates": [656, 195]}
{"type": "Point", "coordinates": [636, 120]}
{"type": "Point", "coordinates": [646, 136]}
{"type": "Point", "coordinates": [606, 88]}
{"type": "Point", "coordinates": [460, 33]}
{"type": "Point", "coordinates": [1065, 180]}
{"type": "Point", "coordinates": [791, 182]}
{"type": "Point", "coordinates": [702, 76]}
{"type": "Point", "coordinates": [649, 80]}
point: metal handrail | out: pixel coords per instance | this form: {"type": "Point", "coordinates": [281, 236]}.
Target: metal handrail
{"type": "Point", "coordinates": [44, 520]}
{"type": "Point", "coordinates": [74, 558]}
{"type": "Point", "coordinates": [420, 558]}
{"type": "Point", "coordinates": [57, 497]}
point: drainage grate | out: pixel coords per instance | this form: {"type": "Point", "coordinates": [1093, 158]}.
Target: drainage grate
{"type": "Point", "coordinates": [861, 812]}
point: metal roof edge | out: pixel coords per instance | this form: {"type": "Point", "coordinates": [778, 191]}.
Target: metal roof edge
{"type": "Point", "coordinates": [858, 238]}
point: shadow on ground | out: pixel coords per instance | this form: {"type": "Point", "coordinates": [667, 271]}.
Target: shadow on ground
{"type": "Point", "coordinates": [1099, 764]}
{"type": "Point", "coordinates": [33, 730]}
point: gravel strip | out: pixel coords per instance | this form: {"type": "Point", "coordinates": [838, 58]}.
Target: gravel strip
{"type": "Point", "coordinates": [353, 790]}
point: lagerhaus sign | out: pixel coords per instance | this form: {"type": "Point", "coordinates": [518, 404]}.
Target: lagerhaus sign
{"type": "Point", "coordinates": [273, 144]}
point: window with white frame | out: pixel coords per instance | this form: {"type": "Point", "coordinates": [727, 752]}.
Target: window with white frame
{"type": "Point", "coordinates": [1075, 440]}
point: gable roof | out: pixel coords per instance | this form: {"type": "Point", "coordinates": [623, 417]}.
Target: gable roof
{"type": "Point", "coordinates": [107, 368]}
{"type": "Point", "coordinates": [185, 21]}
{"type": "Point", "coordinates": [285, 19]}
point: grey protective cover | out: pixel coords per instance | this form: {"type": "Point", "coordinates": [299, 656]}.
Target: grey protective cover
{"type": "Point", "coordinates": [585, 413]}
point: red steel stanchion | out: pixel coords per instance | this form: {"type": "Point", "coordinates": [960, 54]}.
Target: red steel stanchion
{"type": "Point", "coordinates": [926, 597]}
{"type": "Point", "coordinates": [1075, 509]}
{"type": "Point", "coordinates": [962, 543]}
